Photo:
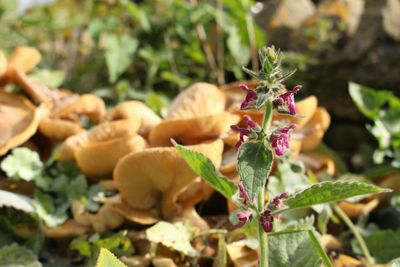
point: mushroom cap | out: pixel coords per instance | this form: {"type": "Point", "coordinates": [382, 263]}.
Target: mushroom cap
{"type": "Point", "coordinates": [98, 150]}
{"type": "Point", "coordinates": [196, 115]}
{"type": "Point", "coordinates": [23, 58]}
{"type": "Point", "coordinates": [200, 99]}
{"type": "Point", "coordinates": [59, 129]}
{"type": "Point", "coordinates": [118, 205]}
{"type": "Point", "coordinates": [69, 228]}
{"type": "Point", "coordinates": [315, 129]}
{"type": "Point", "coordinates": [89, 105]}
{"type": "Point", "coordinates": [142, 176]}
{"type": "Point", "coordinates": [102, 132]}
{"type": "Point", "coordinates": [305, 107]}
{"type": "Point", "coordinates": [98, 159]}
{"type": "Point", "coordinates": [192, 131]}
{"type": "Point", "coordinates": [19, 120]}
{"type": "Point", "coordinates": [135, 110]}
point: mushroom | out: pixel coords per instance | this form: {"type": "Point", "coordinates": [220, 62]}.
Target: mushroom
{"type": "Point", "coordinates": [98, 150]}
{"type": "Point", "coordinates": [19, 120]}
{"type": "Point", "coordinates": [196, 115]}
{"type": "Point", "coordinates": [135, 110]}
{"type": "Point", "coordinates": [69, 228]}
{"type": "Point", "coordinates": [143, 177]}
{"type": "Point", "coordinates": [22, 59]}
{"type": "Point", "coordinates": [63, 109]}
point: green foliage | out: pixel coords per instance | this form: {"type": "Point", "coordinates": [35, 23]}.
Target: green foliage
{"type": "Point", "coordinates": [384, 109]}
{"type": "Point", "coordinates": [203, 167]}
{"type": "Point", "coordinates": [254, 165]}
{"type": "Point", "coordinates": [107, 259]}
{"type": "Point", "coordinates": [180, 42]}
{"type": "Point", "coordinates": [18, 256]}
{"type": "Point", "coordinates": [383, 244]}
{"type": "Point", "coordinates": [22, 164]}
{"type": "Point", "coordinates": [329, 192]}
{"type": "Point", "coordinates": [176, 236]}
{"type": "Point", "coordinates": [90, 246]}
{"type": "Point", "coordinates": [292, 249]}
{"type": "Point", "coordinates": [56, 185]}
{"type": "Point", "coordinates": [119, 53]}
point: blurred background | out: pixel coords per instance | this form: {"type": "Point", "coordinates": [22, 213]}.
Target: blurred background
{"type": "Point", "coordinates": [152, 49]}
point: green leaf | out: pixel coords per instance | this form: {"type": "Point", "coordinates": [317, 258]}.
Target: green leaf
{"type": "Point", "coordinates": [317, 245]}
{"type": "Point", "coordinates": [18, 256]}
{"type": "Point", "coordinates": [16, 201]}
{"type": "Point", "coordinates": [367, 100]}
{"type": "Point", "coordinates": [383, 244]}
{"type": "Point", "coordinates": [329, 192]}
{"type": "Point", "coordinates": [119, 52]}
{"type": "Point", "coordinates": [176, 236]}
{"type": "Point", "coordinates": [51, 78]}
{"type": "Point", "coordinates": [203, 167]}
{"type": "Point", "coordinates": [294, 249]}
{"type": "Point", "coordinates": [107, 259]}
{"type": "Point", "coordinates": [22, 164]}
{"type": "Point", "coordinates": [254, 165]}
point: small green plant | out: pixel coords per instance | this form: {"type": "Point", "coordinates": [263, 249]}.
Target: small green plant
{"type": "Point", "coordinates": [258, 146]}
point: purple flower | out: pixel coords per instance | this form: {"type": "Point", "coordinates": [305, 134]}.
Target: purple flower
{"type": "Point", "coordinates": [280, 139]}
{"type": "Point", "coordinates": [243, 216]}
{"type": "Point", "coordinates": [277, 201]}
{"type": "Point", "coordinates": [251, 95]}
{"type": "Point", "coordinates": [243, 194]}
{"type": "Point", "coordinates": [244, 131]}
{"type": "Point", "coordinates": [288, 99]}
{"type": "Point", "coordinates": [266, 220]}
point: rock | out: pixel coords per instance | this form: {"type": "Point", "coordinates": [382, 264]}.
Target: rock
{"type": "Point", "coordinates": [292, 14]}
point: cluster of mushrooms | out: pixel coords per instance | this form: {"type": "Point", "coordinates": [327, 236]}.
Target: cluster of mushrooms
{"type": "Point", "coordinates": [129, 149]}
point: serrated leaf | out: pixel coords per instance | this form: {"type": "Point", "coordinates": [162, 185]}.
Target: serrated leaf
{"type": "Point", "coordinates": [119, 52]}
{"type": "Point", "coordinates": [107, 259]}
{"type": "Point", "coordinates": [383, 244]}
{"type": "Point", "coordinates": [293, 249]}
{"type": "Point", "coordinates": [328, 192]}
{"type": "Point", "coordinates": [22, 164]}
{"type": "Point", "coordinates": [204, 167]}
{"type": "Point", "coordinates": [254, 165]}
{"type": "Point", "coordinates": [176, 236]}
{"type": "Point", "coordinates": [18, 256]}
{"type": "Point", "coordinates": [16, 201]}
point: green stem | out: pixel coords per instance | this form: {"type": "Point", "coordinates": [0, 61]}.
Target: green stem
{"type": "Point", "coordinates": [262, 236]}
{"type": "Point", "coordinates": [355, 232]}
{"type": "Point", "coordinates": [320, 249]}
{"type": "Point", "coordinates": [267, 116]}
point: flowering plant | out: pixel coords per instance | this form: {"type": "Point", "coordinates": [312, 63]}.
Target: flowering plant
{"type": "Point", "coordinates": [258, 145]}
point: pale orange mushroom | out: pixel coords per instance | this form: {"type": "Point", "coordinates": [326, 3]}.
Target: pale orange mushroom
{"type": "Point", "coordinates": [19, 120]}
{"type": "Point", "coordinates": [135, 110]}
{"type": "Point", "coordinates": [22, 59]}
{"type": "Point", "coordinates": [196, 115]}
{"type": "Point", "coordinates": [145, 176]}
{"type": "Point", "coordinates": [65, 109]}
{"type": "Point", "coordinates": [98, 150]}
{"type": "Point", "coordinates": [69, 228]}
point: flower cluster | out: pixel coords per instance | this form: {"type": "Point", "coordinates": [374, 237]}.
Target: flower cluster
{"type": "Point", "coordinates": [247, 131]}
{"type": "Point", "coordinates": [266, 218]}
{"type": "Point", "coordinates": [288, 99]}
{"type": "Point", "coordinates": [280, 139]}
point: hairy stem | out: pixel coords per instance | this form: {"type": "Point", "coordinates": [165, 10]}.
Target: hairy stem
{"type": "Point", "coordinates": [355, 232]}
{"type": "Point", "coordinates": [262, 236]}
{"type": "Point", "coordinates": [267, 116]}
